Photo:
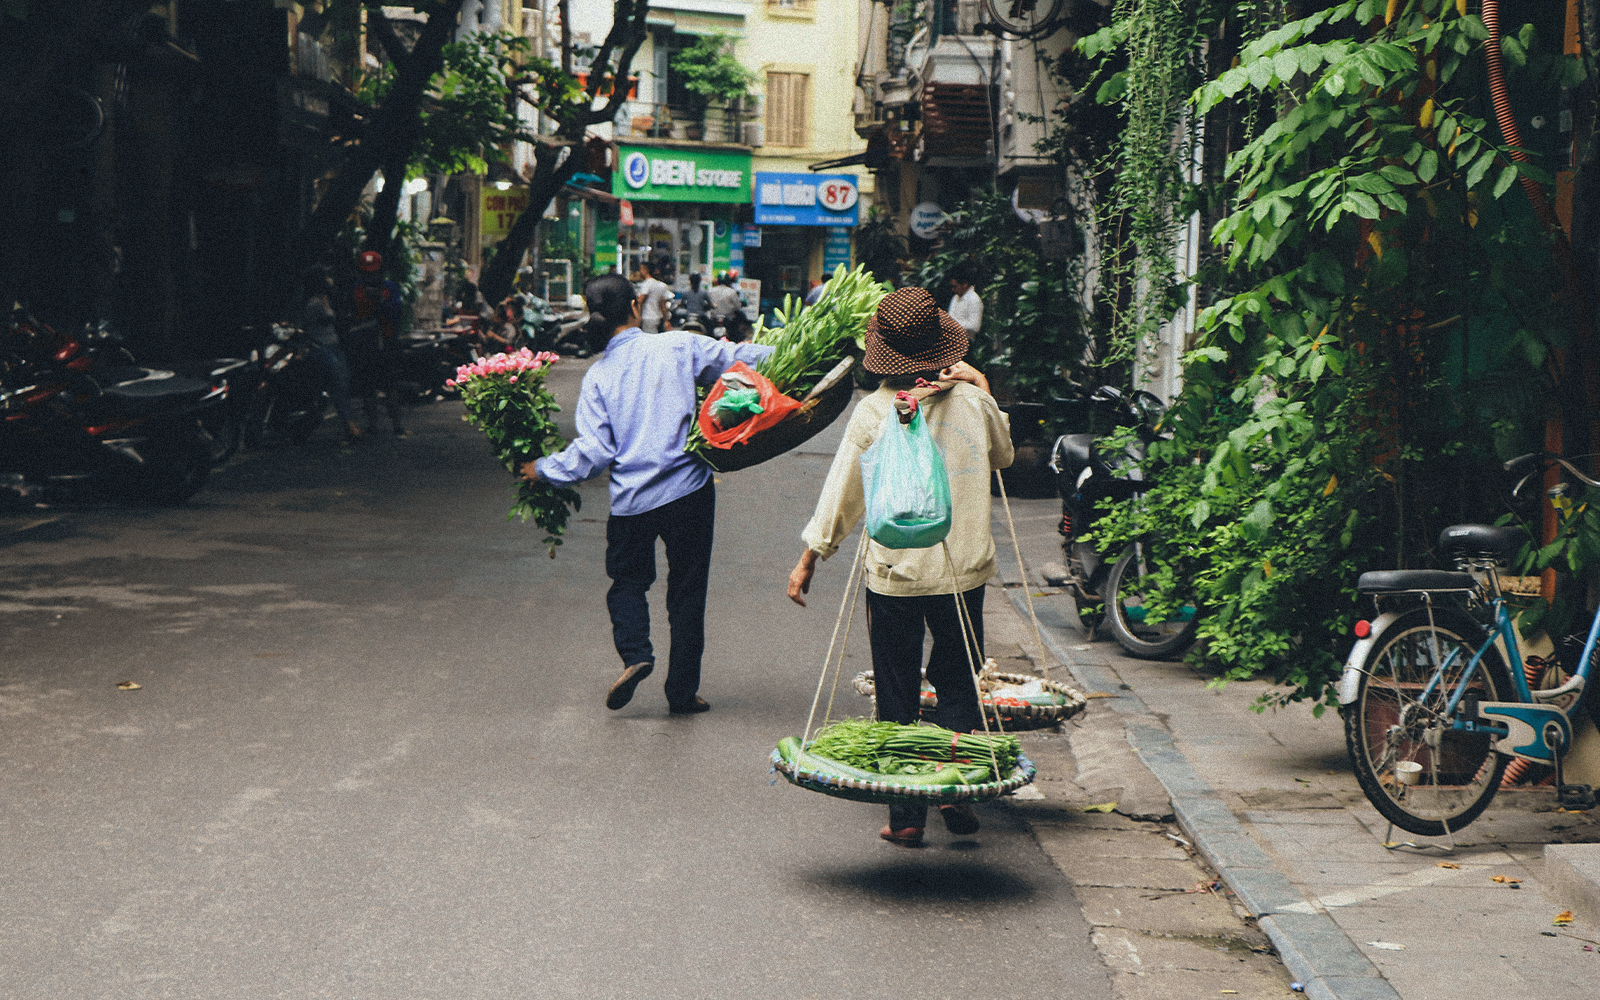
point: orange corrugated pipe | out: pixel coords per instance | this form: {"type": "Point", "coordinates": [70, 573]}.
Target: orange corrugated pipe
{"type": "Point", "coordinates": [1532, 669]}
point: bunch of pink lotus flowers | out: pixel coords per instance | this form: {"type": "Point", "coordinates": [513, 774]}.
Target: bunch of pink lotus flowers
{"type": "Point", "coordinates": [514, 364]}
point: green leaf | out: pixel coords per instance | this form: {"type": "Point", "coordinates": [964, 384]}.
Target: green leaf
{"type": "Point", "coordinates": [1258, 522]}
{"type": "Point", "coordinates": [1480, 167]}
{"type": "Point", "coordinates": [1508, 177]}
{"type": "Point", "coordinates": [1361, 204]}
{"type": "Point", "coordinates": [1202, 510]}
{"type": "Point", "coordinates": [1428, 166]}
{"type": "Point", "coordinates": [1397, 175]}
{"type": "Point", "coordinates": [1286, 65]}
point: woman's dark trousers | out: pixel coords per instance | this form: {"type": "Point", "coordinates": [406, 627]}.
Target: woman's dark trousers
{"type": "Point", "coordinates": [897, 625]}
{"type": "Point", "coordinates": [686, 526]}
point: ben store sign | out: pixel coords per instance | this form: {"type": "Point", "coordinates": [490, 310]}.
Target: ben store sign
{"type": "Point", "coordinates": [650, 174]}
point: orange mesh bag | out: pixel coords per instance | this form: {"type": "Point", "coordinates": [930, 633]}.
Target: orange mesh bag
{"type": "Point", "coordinates": [775, 407]}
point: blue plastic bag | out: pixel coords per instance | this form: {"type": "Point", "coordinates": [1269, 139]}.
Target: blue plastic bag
{"type": "Point", "coordinates": [908, 490]}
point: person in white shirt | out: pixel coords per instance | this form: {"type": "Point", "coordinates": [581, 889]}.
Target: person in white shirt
{"type": "Point", "coordinates": [654, 293]}
{"type": "Point", "coordinates": [966, 308]}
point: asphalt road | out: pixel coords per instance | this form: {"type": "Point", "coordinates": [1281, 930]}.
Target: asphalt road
{"type": "Point", "coordinates": [370, 759]}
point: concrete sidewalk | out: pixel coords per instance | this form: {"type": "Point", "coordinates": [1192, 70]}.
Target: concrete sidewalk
{"type": "Point", "coordinates": [1271, 802]}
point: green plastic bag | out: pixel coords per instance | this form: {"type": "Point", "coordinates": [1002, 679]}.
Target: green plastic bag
{"type": "Point", "coordinates": [736, 406]}
{"type": "Point", "coordinates": [908, 490]}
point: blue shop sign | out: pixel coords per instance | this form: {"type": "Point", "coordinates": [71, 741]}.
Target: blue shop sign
{"type": "Point", "coordinates": [806, 199]}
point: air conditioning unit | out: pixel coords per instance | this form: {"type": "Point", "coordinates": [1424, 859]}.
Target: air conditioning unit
{"type": "Point", "coordinates": [752, 133]}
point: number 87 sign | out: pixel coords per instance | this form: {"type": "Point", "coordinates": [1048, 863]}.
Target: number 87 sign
{"type": "Point", "coordinates": [837, 195]}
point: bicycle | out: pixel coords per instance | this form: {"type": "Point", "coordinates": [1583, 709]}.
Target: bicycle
{"type": "Point", "coordinates": [1432, 711]}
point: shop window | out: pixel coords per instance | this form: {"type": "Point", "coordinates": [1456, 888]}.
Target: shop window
{"type": "Point", "coordinates": [787, 98]}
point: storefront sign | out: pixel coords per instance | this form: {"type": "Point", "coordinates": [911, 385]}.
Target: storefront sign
{"type": "Point", "coordinates": [752, 238]}
{"type": "Point", "coordinates": [626, 212]}
{"type": "Point", "coordinates": [835, 249]}
{"type": "Point", "coordinates": [926, 219]}
{"type": "Point", "coordinates": [650, 174]}
{"type": "Point", "coordinates": [806, 199]}
{"type": "Point", "coordinates": [500, 210]}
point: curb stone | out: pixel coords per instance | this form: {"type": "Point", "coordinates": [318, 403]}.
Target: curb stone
{"type": "Point", "coordinates": [1313, 948]}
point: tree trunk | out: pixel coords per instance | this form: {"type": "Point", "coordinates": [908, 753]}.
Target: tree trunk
{"type": "Point", "coordinates": [390, 136]}
{"type": "Point", "coordinates": [500, 275]}
{"type": "Point", "coordinates": [386, 207]}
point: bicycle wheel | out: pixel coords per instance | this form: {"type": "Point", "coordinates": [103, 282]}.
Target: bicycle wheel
{"type": "Point", "coordinates": [1142, 632]}
{"type": "Point", "coordinates": [1390, 722]}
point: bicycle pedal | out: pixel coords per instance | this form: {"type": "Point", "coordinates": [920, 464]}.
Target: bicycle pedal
{"type": "Point", "coordinates": [1575, 797]}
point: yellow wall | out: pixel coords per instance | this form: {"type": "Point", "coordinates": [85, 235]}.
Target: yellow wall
{"type": "Point", "coordinates": [823, 42]}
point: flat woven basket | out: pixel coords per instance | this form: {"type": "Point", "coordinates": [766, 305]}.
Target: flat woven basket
{"type": "Point", "coordinates": [820, 408]}
{"type": "Point", "coordinates": [1013, 717]}
{"type": "Point", "coordinates": [889, 793]}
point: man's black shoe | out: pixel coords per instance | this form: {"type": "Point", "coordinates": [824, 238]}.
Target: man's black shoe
{"type": "Point", "coordinates": [693, 708]}
{"type": "Point", "coordinates": [622, 690]}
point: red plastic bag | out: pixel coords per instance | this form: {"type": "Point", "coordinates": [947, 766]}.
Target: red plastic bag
{"type": "Point", "coordinates": [775, 406]}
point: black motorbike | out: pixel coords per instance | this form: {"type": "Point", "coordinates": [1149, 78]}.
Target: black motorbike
{"type": "Point", "coordinates": [1088, 473]}
{"type": "Point", "coordinates": [290, 402]}
{"type": "Point", "coordinates": [74, 429]}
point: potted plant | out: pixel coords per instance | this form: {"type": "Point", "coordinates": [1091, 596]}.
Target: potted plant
{"type": "Point", "coordinates": [712, 74]}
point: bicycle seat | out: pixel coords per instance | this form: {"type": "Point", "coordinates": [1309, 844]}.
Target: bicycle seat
{"type": "Point", "coordinates": [1482, 540]}
{"type": "Point", "coordinates": [1398, 581]}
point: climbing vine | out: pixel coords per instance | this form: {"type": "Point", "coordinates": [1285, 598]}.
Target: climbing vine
{"type": "Point", "coordinates": [1387, 340]}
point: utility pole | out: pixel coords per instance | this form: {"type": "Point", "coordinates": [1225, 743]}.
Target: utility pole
{"type": "Point", "coordinates": [562, 10]}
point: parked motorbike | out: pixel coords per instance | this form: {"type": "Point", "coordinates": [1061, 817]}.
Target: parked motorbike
{"type": "Point", "coordinates": [290, 403]}
{"type": "Point", "coordinates": [1088, 473]}
{"type": "Point", "coordinates": [74, 426]}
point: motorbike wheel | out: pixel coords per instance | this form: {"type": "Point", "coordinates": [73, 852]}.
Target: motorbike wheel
{"type": "Point", "coordinates": [225, 430]}
{"type": "Point", "coordinates": [1131, 626]}
{"type": "Point", "coordinates": [300, 426]}
{"type": "Point", "coordinates": [172, 472]}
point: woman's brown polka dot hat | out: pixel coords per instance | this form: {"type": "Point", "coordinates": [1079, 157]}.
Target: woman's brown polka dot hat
{"type": "Point", "coordinates": [910, 333]}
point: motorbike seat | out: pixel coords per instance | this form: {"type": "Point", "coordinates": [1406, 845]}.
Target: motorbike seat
{"type": "Point", "coordinates": [1399, 581]}
{"type": "Point", "coordinates": [146, 396]}
{"type": "Point", "coordinates": [1483, 540]}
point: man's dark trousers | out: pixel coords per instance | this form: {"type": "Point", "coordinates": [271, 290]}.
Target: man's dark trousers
{"type": "Point", "coordinates": [686, 526]}
{"type": "Point", "coordinates": [896, 625]}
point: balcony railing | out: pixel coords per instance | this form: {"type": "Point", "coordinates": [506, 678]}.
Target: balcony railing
{"type": "Point", "coordinates": [719, 123]}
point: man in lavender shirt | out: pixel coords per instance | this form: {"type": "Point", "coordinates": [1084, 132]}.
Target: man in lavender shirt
{"type": "Point", "coordinates": [633, 417]}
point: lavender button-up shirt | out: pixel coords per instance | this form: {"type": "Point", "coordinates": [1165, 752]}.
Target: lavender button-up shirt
{"type": "Point", "coordinates": [633, 416]}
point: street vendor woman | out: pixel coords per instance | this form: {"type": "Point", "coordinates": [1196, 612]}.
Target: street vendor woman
{"type": "Point", "coordinates": [633, 417]}
{"type": "Point", "coordinates": [910, 591]}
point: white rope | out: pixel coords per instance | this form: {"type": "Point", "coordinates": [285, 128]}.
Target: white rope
{"type": "Point", "coordinates": [1022, 570]}
{"type": "Point", "coordinates": [968, 637]}
{"type": "Point", "coordinates": [844, 604]}
{"type": "Point", "coordinates": [844, 643]}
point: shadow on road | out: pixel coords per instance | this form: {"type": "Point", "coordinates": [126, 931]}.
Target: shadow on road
{"type": "Point", "coordinates": [911, 882]}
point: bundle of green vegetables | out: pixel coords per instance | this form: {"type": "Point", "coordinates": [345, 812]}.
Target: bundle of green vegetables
{"type": "Point", "coordinates": [812, 339]}
{"type": "Point", "coordinates": [872, 750]}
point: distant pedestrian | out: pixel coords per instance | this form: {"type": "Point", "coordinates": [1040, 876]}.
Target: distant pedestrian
{"type": "Point", "coordinates": [696, 302]}
{"type": "Point", "coordinates": [724, 297]}
{"type": "Point", "coordinates": [633, 416]}
{"type": "Point", "coordinates": [654, 292]}
{"type": "Point", "coordinates": [966, 307]}
{"type": "Point", "coordinates": [817, 289]}
{"type": "Point", "coordinates": [325, 355]}
{"type": "Point", "coordinates": [371, 341]}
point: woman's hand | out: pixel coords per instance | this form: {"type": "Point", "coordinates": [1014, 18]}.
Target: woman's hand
{"type": "Point", "coordinates": [963, 372]}
{"type": "Point", "coordinates": [800, 577]}
{"type": "Point", "coordinates": [530, 472]}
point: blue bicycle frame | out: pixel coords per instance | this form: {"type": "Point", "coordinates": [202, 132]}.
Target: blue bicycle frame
{"type": "Point", "coordinates": [1534, 731]}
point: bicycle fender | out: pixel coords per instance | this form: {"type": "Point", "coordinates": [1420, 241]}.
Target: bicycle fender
{"type": "Point", "coordinates": [1350, 680]}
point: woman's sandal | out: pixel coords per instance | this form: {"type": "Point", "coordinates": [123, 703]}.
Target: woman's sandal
{"type": "Point", "coordinates": [910, 836]}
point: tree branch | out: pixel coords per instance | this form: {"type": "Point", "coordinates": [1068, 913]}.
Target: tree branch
{"type": "Point", "coordinates": [379, 24]}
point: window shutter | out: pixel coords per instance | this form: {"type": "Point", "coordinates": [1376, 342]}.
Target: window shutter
{"type": "Point", "coordinates": [777, 109]}
{"type": "Point", "coordinates": [799, 83]}
{"type": "Point", "coordinates": [786, 108]}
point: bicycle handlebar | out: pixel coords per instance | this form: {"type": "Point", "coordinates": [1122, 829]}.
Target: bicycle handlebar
{"type": "Point", "coordinates": [1548, 459]}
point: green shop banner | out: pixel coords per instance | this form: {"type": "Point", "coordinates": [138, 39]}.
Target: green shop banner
{"type": "Point", "coordinates": [647, 173]}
